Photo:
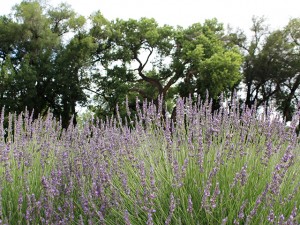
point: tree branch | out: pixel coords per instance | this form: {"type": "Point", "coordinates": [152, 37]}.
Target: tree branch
{"type": "Point", "coordinates": [95, 92]}
{"type": "Point", "coordinates": [150, 80]}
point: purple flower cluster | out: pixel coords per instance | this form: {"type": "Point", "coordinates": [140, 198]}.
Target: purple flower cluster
{"type": "Point", "coordinates": [232, 166]}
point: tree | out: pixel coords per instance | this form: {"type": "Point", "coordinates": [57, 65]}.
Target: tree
{"type": "Point", "coordinates": [287, 98]}
{"type": "Point", "coordinates": [271, 66]}
{"type": "Point", "coordinates": [256, 74]}
{"type": "Point", "coordinates": [39, 69]}
{"type": "Point", "coordinates": [71, 78]}
{"type": "Point", "coordinates": [141, 58]}
{"type": "Point", "coordinates": [205, 62]}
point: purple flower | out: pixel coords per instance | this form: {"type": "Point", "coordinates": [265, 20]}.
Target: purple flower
{"type": "Point", "coordinates": [126, 218]}
{"type": "Point", "coordinates": [241, 214]}
{"type": "Point", "coordinates": [171, 209]}
{"type": "Point", "coordinates": [271, 216]}
{"type": "Point", "coordinates": [224, 221]}
{"type": "Point", "coordinates": [281, 220]}
{"type": "Point", "coordinates": [149, 219]}
{"type": "Point", "coordinates": [190, 204]}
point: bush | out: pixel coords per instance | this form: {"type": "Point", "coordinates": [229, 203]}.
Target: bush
{"type": "Point", "coordinates": [221, 168]}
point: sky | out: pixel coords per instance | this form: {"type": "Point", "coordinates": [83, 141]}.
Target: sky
{"type": "Point", "coordinates": [236, 13]}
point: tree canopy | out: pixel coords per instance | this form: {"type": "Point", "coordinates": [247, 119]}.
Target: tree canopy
{"type": "Point", "coordinates": [37, 69]}
{"type": "Point", "coordinates": [53, 59]}
{"type": "Point", "coordinates": [142, 58]}
{"type": "Point", "coordinates": [271, 66]}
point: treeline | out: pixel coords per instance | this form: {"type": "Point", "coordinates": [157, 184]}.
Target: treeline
{"type": "Point", "coordinates": [52, 59]}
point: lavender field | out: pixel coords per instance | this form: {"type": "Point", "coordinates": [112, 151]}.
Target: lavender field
{"type": "Point", "coordinates": [226, 168]}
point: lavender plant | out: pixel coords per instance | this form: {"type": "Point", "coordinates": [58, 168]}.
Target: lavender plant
{"type": "Point", "coordinates": [229, 167]}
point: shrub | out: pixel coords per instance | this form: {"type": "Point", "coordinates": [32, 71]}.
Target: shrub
{"type": "Point", "coordinates": [222, 168]}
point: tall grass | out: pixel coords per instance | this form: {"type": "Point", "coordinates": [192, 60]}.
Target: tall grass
{"type": "Point", "coordinates": [222, 168]}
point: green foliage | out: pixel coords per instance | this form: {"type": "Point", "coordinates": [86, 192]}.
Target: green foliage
{"type": "Point", "coordinates": [141, 58]}
{"type": "Point", "coordinates": [39, 69]}
{"type": "Point", "coordinates": [50, 60]}
{"type": "Point", "coordinates": [271, 65]}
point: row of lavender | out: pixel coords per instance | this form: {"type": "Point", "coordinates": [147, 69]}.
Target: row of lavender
{"type": "Point", "coordinates": [226, 168]}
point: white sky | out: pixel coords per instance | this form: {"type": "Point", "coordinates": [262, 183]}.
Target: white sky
{"type": "Point", "coordinates": [237, 13]}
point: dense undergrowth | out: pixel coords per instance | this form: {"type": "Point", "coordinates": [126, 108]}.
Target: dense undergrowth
{"type": "Point", "coordinates": [226, 168]}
